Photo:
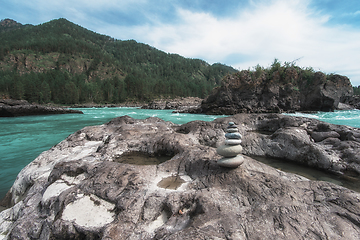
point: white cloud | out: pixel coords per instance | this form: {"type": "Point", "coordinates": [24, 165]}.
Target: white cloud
{"type": "Point", "coordinates": [283, 29]}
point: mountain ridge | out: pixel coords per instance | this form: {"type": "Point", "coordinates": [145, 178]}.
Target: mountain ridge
{"type": "Point", "coordinates": [121, 69]}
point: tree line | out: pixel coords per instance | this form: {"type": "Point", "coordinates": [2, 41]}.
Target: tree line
{"type": "Point", "coordinates": [63, 88]}
{"type": "Point", "coordinates": [356, 90]}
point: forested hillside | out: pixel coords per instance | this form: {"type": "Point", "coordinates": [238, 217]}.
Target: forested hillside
{"type": "Point", "coordinates": [61, 62]}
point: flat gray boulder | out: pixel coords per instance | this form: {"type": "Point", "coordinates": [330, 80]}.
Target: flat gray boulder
{"type": "Point", "coordinates": [92, 185]}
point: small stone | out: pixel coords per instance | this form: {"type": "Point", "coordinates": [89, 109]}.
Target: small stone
{"type": "Point", "coordinates": [234, 135]}
{"type": "Point", "coordinates": [232, 126]}
{"type": "Point", "coordinates": [231, 162]}
{"type": "Point", "coordinates": [232, 130]}
{"type": "Point", "coordinates": [232, 141]}
{"type": "Point", "coordinates": [231, 123]}
{"type": "Point", "coordinates": [229, 150]}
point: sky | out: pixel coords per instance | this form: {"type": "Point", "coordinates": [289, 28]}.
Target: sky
{"type": "Point", "coordinates": [322, 34]}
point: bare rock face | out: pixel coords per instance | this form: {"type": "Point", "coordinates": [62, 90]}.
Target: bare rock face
{"type": "Point", "coordinates": [90, 186]}
{"type": "Point", "coordinates": [355, 101]}
{"type": "Point", "coordinates": [286, 91]}
{"type": "Point", "coordinates": [326, 94]}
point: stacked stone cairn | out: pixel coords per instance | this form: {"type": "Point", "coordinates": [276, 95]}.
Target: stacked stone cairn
{"type": "Point", "coordinates": [231, 148]}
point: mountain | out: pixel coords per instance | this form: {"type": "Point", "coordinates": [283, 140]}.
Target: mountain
{"type": "Point", "coordinates": [62, 62]}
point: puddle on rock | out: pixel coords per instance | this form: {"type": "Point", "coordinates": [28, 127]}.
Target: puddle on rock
{"type": "Point", "coordinates": [311, 173]}
{"type": "Point", "coordinates": [140, 158]}
{"type": "Point", "coordinates": [172, 182]}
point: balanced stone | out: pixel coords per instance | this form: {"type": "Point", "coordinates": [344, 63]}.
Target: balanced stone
{"type": "Point", "coordinates": [229, 150]}
{"type": "Point", "coordinates": [232, 130]}
{"type": "Point", "coordinates": [232, 141]}
{"type": "Point", "coordinates": [232, 162]}
{"type": "Point", "coordinates": [233, 135]}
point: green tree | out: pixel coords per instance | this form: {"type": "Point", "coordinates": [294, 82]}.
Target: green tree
{"type": "Point", "coordinates": [71, 93]}
{"type": "Point", "coordinates": [17, 88]}
{"type": "Point", "coordinates": [57, 87]}
{"type": "Point", "coordinates": [356, 90]}
{"type": "Point", "coordinates": [108, 90]}
{"type": "Point", "coordinates": [134, 86]}
{"type": "Point", "coordinates": [32, 87]}
{"type": "Point", "coordinates": [5, 82]}
{"type": "Point", "coordinates": [45, 95]}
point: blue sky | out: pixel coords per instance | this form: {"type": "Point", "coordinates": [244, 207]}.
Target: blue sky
{"type": "Point", "coordinates": [323, 34]}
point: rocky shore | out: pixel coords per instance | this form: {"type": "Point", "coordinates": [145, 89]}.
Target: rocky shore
{"type": "Point", "coordinates": [86, 188]}
{"type": "Point", "coordinates": [16, 108]}
{"type": "Point", "coordinates": [108, 105]}
{"type": "Point", "coordinates": [177, 104]}
{"type": "Point", "coordinates": [355, 102]}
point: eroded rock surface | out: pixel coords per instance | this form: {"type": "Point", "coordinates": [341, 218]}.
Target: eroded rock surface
{"type": "Point", "coordinates": [77, 190]}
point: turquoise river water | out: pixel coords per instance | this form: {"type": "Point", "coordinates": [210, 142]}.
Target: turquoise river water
{"type": "Point", "coordinates": [346, 117]}
{"type": "Point", "coordinates": [22, 139]}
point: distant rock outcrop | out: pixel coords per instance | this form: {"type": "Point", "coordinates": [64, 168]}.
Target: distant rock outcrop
{"type": "Point", "coordinates": [85, 188]}
{"type": "Point", "coordinates": [355, 101]}
{"type": "Point", "coordinates": [16, 108]}
{"type": "Point", "coordinates": [289, 90]}
{"type": "Point", "coordinates": [180, 104]}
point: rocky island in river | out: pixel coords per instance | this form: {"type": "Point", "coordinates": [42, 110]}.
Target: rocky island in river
{"type": "Point", "coordinates": [16, 108]}
{"type": "Point", "coordinates": [282, 89]}
{"type": "Point", "coordinates": [87, 186]}
{"type": "Point", "coordinates": [275, 90]}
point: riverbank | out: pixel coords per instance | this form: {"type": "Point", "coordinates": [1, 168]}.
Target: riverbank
{"type": "Point", "coordinates": [16, 108]}
{"type": "Point", "coordinates": [106, 105]}
{"type": "Point", "coordinates": [179, 103]}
